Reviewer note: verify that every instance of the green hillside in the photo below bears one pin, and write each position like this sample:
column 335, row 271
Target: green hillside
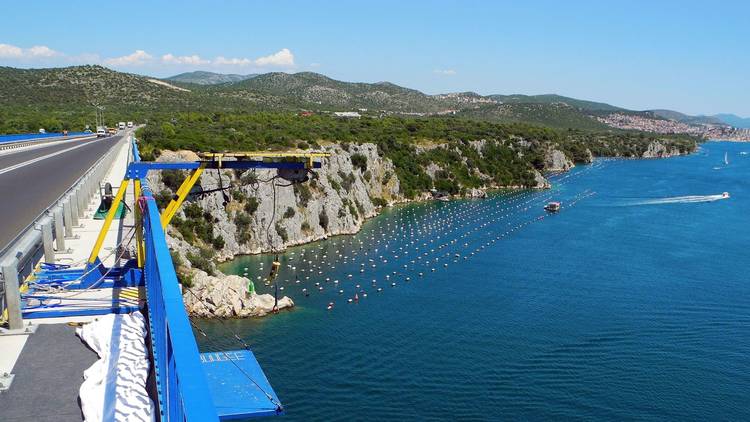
column 555, row 115
column 554, row 98
column 208, row 78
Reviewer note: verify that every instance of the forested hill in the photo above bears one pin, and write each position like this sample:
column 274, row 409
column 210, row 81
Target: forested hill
column 66, row 95
column 59, row 98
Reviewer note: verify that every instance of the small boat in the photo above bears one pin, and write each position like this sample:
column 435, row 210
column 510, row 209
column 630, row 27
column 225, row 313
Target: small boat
column 552, row 206
column 725, row 195
column 726, row 159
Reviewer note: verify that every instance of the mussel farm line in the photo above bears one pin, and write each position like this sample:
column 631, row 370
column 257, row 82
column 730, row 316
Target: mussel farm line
column 411, row 243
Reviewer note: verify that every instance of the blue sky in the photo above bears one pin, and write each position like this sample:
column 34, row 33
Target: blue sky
column 685, row 55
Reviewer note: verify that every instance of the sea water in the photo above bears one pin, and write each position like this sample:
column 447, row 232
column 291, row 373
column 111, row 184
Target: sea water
column 632, row 302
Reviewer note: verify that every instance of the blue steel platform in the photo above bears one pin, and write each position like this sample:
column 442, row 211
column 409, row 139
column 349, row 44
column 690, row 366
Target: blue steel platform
column 238, row 386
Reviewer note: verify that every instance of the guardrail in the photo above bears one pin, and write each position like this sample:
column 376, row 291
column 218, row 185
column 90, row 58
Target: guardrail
column 46, row 235
column 37, row 136
column 29, row 142
column 180, row 380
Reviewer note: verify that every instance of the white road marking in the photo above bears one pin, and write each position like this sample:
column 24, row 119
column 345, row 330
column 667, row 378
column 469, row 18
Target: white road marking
column 43, row 157
column 42, row 145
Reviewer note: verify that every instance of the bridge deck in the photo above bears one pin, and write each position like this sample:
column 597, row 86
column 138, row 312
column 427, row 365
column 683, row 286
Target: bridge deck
column 48, row 373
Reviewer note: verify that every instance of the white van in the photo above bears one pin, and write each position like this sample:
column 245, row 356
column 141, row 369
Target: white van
column 130, row 124
column 121, row 125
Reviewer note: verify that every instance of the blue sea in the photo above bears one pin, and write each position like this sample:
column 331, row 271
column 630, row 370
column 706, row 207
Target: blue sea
column 632, row 302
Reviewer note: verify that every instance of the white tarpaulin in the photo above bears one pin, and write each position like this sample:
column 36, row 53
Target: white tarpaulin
column 114, row 387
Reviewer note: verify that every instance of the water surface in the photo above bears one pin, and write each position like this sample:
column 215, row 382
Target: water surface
column 631, row 303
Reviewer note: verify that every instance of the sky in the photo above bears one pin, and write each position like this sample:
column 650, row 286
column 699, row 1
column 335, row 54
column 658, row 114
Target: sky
column 685, row 55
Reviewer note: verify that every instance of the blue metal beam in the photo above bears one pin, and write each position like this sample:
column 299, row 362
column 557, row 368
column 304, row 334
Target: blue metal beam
column 139, row 170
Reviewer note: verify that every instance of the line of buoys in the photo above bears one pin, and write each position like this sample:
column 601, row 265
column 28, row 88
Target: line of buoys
column 408, row 233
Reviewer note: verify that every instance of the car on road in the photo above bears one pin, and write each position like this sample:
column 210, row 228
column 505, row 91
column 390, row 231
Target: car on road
column 101, row 131
column 130, row 124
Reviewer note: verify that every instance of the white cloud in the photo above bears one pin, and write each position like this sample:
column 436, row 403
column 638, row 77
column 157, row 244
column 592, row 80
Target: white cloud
column 444, row 72
column 8, row 51
column 190, row 60
column 234, row 61
column 283, row 57
column 42, row 51
column 137, row 58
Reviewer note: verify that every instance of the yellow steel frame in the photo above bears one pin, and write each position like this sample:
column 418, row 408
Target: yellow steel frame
column 108, row 220
column 182, row 193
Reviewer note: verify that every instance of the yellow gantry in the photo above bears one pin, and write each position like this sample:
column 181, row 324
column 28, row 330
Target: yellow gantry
column 182, row 192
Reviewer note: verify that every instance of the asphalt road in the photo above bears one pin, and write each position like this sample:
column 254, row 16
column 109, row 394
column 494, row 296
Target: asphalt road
column 31, row 180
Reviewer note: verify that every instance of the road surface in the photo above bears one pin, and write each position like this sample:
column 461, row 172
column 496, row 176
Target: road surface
column 31, row 180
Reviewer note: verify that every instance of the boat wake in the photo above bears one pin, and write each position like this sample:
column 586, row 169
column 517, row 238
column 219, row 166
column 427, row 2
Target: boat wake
column 690, row 199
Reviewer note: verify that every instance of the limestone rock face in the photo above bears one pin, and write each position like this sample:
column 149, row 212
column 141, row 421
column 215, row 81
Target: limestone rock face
column 541, row 181
column 257, row 212
column 657, row 149
column 227, row 297
column 476, row 193
column 337, row 199
column 556, row 160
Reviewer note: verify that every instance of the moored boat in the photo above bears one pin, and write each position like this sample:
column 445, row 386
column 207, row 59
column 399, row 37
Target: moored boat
column 552, row 206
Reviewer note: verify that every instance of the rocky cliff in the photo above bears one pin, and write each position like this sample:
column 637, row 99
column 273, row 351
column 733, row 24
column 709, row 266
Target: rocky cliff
column 254, row 211
column 259, row 213
column 657, row 149
column 556, row 161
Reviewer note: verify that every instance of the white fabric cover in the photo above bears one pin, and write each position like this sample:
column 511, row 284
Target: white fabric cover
column 114, row 387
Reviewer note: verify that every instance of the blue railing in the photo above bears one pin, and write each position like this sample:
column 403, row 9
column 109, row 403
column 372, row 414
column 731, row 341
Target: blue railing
column 180, row 380
column 30, row 136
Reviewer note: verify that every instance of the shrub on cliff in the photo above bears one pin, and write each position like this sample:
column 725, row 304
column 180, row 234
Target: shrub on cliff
column 251, row 205
column 172, row 178
column 281, row 231
column 304, row 194
column 359, row 161
column 379, row 202
column 323, row 219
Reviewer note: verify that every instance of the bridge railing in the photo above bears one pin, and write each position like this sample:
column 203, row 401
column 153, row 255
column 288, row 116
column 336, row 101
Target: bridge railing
column 45, row 236
column 37, row 136
column 181, row 382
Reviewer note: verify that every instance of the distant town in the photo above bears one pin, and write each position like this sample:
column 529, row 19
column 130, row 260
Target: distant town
column 655, row 125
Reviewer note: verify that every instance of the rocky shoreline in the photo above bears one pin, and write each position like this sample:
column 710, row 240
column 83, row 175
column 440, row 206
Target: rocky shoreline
column 258, row 214
column 227, row 296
